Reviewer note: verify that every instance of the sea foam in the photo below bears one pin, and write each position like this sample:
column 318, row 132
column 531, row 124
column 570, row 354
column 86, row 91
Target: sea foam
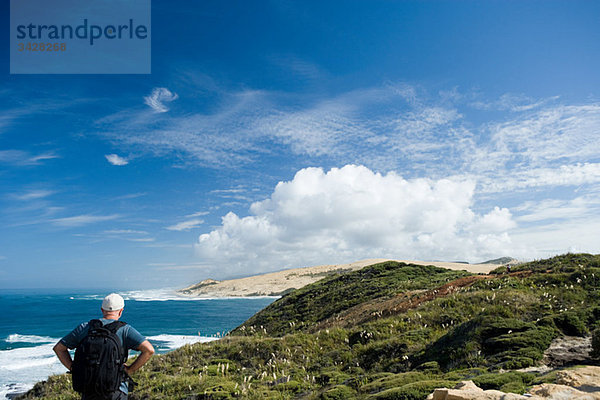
column 16, row 338
column 27, row 365
column 164, row 295
column 172, row 342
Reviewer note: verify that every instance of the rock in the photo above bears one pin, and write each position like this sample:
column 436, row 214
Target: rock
column 467, row 385
column 568, row 350
column 586, row 379
column 576, row 384
column 467, row 390
column 551, row 391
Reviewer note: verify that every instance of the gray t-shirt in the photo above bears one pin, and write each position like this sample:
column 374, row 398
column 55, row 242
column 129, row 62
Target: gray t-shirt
column 130, row 339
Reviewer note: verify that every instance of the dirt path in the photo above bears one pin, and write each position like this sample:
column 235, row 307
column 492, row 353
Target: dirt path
column 404, row 301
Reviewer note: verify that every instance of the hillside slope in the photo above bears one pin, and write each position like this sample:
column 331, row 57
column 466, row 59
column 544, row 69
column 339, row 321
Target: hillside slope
column 302, row 308
column 281, row 282
column 388, row 331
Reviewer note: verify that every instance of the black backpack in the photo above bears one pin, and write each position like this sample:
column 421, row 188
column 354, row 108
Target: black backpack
column 98, row 365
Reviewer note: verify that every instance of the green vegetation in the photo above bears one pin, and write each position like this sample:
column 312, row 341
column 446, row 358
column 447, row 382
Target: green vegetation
column 596, row 343
column 302, row 308
column 389, row 331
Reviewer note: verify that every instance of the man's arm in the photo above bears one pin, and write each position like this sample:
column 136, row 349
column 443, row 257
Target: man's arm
column 62, row 352
column 146, row 352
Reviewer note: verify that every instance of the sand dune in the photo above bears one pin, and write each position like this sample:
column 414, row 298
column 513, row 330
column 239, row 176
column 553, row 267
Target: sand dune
column 276, row 283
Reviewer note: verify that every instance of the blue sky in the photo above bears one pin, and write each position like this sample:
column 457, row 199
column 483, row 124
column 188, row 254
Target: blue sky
column 279, row 134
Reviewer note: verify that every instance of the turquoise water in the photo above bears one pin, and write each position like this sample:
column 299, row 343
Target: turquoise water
column 34, row 320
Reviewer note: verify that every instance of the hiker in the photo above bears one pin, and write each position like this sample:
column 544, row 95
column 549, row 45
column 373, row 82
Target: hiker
column 102, row 344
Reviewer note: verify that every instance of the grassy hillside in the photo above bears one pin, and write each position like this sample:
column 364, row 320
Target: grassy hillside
column 301, row 309
column 390, row 331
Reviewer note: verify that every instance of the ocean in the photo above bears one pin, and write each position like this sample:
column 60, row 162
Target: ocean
column 33, row 321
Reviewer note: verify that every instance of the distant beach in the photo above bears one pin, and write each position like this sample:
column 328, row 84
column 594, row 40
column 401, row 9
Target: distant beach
column 277, row 283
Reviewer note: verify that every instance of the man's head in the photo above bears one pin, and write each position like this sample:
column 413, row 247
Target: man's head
column 112, row 306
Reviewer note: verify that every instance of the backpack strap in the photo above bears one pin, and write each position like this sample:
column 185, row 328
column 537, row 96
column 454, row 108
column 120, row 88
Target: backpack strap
column 114, row 327
column 95, row 323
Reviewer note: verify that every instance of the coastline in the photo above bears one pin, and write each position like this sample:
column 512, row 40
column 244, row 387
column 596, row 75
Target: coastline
column 275, row 284
column 31, row 328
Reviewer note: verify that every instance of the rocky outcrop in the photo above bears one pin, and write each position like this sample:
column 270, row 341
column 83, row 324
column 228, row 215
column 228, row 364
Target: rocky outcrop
column 561, row 392
column 467, row 390
column 576, row 384
column 586, row 379
column 568, row 350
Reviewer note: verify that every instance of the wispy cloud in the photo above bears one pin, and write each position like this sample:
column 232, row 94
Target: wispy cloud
column 236, row 193
column 186, row 225
column 197, row 214
column 558, row 134
column 158, row 97
column 528, row 142
column 513, row 102
column 142, row 240
column 228, row 191
column 82, row 220
column 22, row 158
column 520, row 179
column 33, row 195
column 555, row 209
column 299, row 68
column 125, row 232
column 114, row 159
column 130, row 196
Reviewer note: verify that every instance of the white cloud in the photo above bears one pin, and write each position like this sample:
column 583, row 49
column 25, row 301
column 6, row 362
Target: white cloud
column 81, row 220
column 527, row 143
column 186, row 225
column 555, row 209
column 357, row 126
column 158, row 97
column 497, row 220
column 564, row 175
column 197, row 214
column 143, row 240
column 34, row 195
column 513, row 102
column 558, row 237
column 24, row 158
column 352, row 213
column 116, row 160
column 130, row 196
column 548, row 138
column 125, row 232
column 218, row 139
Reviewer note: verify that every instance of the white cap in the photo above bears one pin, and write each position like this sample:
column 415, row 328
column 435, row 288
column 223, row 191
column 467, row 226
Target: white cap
column 113, row 302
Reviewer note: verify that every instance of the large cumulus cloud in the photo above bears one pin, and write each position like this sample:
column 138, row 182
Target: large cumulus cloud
column 352, row 213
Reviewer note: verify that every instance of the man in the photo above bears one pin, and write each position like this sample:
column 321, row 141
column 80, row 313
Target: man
column 112, row 309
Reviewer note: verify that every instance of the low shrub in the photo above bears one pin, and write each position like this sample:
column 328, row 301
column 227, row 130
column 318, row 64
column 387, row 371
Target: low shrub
column 432, row 367
column 339, row 392
column 388, row 351
column 498, row 381
column 570, row 324
column 394, row 381
column 595, row 343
